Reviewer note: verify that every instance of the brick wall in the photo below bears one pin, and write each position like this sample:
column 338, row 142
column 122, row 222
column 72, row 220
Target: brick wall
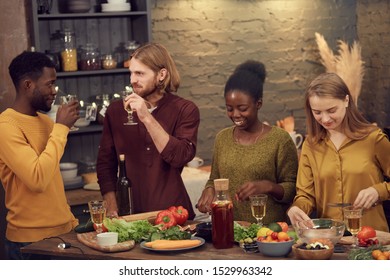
column 209, row 38
column 374, row 35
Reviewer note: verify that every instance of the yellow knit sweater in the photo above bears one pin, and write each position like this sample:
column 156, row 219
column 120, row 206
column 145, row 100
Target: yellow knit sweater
column 30, row 150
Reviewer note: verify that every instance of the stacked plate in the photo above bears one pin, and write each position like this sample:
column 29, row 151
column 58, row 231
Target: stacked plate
column 116, row 7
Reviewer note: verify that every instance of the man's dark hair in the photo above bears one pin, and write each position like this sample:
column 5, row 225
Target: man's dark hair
column 28, row 64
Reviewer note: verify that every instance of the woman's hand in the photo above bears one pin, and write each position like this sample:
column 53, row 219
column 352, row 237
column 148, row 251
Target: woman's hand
column 296, row 215
column 205, row 200
column 259, row 187
column 367, row 198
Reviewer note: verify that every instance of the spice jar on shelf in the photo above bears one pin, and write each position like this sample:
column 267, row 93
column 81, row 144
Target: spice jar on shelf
column 68, row 52
column 89, row 58
column 109, row 62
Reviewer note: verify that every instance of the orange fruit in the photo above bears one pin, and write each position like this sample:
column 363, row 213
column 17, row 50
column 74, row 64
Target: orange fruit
column 387, row 254
column 283, row 225
column 268, row 233
column 382, row 257
column 376, row 253
column 283, row 236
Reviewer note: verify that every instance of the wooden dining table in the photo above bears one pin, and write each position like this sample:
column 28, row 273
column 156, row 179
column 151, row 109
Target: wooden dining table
column 77, row 250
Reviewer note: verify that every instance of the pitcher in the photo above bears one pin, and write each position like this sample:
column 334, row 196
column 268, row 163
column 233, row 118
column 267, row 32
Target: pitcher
column 297, row 138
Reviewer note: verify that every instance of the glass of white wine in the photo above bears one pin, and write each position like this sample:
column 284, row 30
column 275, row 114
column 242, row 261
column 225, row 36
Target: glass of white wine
column 97, row 209
column 258, row 207
column 352, row 219
column 65, row 99
column 130, row 120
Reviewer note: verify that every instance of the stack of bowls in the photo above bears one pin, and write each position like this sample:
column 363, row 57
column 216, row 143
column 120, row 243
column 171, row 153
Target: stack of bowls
column 116, row 6
column 79, row 6
column 69, row 175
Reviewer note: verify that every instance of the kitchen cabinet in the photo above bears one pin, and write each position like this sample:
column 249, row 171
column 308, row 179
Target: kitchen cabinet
column 109, row 31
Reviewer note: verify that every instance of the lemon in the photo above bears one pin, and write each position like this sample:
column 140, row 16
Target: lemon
column 262, row 231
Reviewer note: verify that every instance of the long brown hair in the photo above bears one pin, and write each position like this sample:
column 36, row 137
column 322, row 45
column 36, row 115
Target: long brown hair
column 156, row 57
column 330, row 85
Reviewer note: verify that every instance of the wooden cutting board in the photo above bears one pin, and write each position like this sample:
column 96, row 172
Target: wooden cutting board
column 89, row 239
column 150, row 216
column 383, row 238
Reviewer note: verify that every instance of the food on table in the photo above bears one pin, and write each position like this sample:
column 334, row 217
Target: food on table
column 313, row 246
column 135, row 230
column 275, row 227
column 180, row 214
column 172, row 244
column 242, row 232
column 283, row 225
column 375, row 252
column 166, row 219
column 262, row 231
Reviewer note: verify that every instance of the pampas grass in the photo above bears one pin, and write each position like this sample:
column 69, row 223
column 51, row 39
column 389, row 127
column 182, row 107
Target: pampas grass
column 347, row 64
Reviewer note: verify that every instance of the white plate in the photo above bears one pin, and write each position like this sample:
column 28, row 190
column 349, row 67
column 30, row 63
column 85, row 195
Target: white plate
column 174, row 250
column 72, row 181
column 92, row 187
column 116, row 7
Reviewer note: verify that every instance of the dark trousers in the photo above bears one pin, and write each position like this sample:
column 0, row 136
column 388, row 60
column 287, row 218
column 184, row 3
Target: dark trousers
column 12, row 251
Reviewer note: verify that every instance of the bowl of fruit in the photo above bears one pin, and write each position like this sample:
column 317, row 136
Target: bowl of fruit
column 275, row 244
column 316, row 249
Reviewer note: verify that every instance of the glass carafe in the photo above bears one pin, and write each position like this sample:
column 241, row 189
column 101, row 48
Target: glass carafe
column 222, row 216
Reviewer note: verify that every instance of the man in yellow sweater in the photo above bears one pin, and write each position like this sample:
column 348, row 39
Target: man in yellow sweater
column 31, row 147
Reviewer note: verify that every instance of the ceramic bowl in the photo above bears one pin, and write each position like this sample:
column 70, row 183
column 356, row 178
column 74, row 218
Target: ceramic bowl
column 204, row 230
column 321, row 254
column 107, row 238
column 275, row 249
column 68, row 170
column 320, row 228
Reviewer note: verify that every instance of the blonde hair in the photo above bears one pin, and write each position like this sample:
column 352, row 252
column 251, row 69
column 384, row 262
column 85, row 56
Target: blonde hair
column 156, row 57
column 330, row 85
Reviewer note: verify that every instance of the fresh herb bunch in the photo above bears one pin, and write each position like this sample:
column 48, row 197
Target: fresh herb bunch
column 240, row 232
column 364, row 253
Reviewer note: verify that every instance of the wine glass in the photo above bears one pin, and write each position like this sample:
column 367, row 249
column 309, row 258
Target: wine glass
column 259, row 207
column 65, row 99
column 352, row 219
column 97, row 209
column 130, row 120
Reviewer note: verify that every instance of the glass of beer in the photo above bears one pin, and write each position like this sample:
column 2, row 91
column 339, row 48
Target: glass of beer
column 258, row 207
column 97, row 209
column 352, row 219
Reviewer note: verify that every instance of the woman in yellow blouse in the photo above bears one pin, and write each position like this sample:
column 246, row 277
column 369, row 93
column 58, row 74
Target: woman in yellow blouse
column 344, row 158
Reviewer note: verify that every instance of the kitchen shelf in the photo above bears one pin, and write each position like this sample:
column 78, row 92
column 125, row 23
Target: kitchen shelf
column 109, row 31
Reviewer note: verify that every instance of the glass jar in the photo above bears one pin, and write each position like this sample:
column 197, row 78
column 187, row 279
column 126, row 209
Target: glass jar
column 130, row 47
column 68, row 52
column 109, row 62
column 89, row 58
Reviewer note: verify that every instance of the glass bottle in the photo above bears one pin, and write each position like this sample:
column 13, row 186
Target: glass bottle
column 68, row 52
column 222, row 216
column 130, row 46
column 124, row 196
column 89, row 58
column 109, row 62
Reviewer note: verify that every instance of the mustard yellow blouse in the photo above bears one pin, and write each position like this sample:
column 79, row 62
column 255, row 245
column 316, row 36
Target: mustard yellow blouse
column 327, row 175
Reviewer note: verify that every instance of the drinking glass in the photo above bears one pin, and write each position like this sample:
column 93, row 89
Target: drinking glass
column 259, row 207
column 352, row 219
column 97, row 209
column 65, row 99
column 130, row 120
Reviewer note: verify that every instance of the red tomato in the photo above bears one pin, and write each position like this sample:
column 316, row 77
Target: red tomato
column 366, row 232
column 283, row 225
column 180, row 214
column 166, row 219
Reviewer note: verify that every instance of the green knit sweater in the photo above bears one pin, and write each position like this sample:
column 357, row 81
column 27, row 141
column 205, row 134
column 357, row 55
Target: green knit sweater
column 273, row 157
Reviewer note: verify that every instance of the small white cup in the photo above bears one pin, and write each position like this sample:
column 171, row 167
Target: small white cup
column 297, row 138
column 195, row 162
column 107, row 238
